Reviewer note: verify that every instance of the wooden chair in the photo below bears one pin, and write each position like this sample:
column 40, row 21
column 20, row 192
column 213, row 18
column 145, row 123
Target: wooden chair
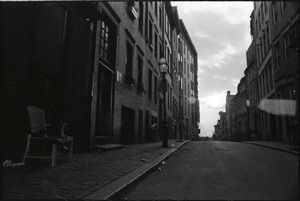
column 38, row 136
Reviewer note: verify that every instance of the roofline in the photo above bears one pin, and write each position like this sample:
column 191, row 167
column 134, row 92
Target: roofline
column 185, row 32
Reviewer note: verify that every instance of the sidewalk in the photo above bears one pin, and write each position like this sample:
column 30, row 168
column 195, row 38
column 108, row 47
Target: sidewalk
column 275, row 145
column 89, row 176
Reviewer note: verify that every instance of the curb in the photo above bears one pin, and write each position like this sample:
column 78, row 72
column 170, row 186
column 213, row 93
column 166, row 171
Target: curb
column 114, row 189
column 275, row 148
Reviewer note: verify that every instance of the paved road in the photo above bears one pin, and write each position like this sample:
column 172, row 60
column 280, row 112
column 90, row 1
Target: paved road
column 222, row 170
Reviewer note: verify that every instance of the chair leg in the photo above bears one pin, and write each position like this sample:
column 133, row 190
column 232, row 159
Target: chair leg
column 27, row 148
column 54, row 154
column 71, row 152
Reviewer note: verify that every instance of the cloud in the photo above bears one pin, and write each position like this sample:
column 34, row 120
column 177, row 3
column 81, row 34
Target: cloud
column 215, row 100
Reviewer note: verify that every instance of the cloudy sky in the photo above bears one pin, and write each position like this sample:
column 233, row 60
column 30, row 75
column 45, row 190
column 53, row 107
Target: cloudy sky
column 220, row 32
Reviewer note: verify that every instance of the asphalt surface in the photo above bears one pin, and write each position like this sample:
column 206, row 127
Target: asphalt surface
column 222, row 170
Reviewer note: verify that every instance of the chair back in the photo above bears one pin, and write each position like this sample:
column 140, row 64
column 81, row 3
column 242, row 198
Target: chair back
column 37, row 121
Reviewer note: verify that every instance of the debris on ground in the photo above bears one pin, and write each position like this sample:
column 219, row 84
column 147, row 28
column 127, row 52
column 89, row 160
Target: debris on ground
column 159, row 168
column 8, row 163
column 144, row 159
column 164, row 162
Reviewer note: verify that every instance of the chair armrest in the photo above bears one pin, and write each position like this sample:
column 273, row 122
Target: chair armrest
column 63, row 125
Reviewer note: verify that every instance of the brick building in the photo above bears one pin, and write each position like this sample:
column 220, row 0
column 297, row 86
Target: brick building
column 95, row 66
column 187, row 76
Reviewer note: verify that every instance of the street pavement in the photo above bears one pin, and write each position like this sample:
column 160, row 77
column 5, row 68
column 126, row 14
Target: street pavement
column 92, row 176
column 218, row 170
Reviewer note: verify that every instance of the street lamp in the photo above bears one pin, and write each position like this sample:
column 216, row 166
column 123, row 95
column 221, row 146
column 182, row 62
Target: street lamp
column 248, row 120
column 163, row 67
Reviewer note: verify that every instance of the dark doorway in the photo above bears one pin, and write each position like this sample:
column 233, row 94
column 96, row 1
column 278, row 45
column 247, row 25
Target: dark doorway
column 127, row 125
column 105, row 88
column 147, row 126
column 105, row 104
column 140, row 140
column 273, row 127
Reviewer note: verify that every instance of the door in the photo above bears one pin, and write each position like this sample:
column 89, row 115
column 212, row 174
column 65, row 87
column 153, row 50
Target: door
column 140, row 139
column 105, row 103
column 105, row 83
column 127, row 125
column 147, row 126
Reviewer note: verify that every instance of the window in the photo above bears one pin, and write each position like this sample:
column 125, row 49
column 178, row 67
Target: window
column 155, row 45
column 150, row 83
column 277, row 55
column 155, row 9
column 155, row 89
column 264, row 42
column 271, row 75
column 104, row 41
column 185, row 106
column 167, row 25
column 267, row 72
column 140, row 74
column 268, row 36
column 259, row 20
column 261, row 51
column 286, row 44
column 141, row 17
column 160, row 17
column 129, row 65
column 184, row 66
column 256, row 28
column 258, row 54
column 150, row 34
column 262, row 12
column 160, row 48
column 185, row 86
column 275, row 17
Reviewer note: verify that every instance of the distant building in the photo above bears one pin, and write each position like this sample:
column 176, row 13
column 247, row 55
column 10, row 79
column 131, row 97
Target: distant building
column 188, row 85
column 251, row 76
column 221, row 130
column 229, row 106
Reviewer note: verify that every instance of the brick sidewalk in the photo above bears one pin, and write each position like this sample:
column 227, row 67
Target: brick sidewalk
column 86, row 173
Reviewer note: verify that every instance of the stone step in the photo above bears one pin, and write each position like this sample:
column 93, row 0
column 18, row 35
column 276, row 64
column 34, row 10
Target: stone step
column 107, row 147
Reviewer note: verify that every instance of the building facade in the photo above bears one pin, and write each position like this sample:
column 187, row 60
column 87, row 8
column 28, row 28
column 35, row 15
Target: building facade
column 187, row 76
column 95, row 66
column 229, row 106
column 221, row 128
column 276, row 37
column 270, row 86
column 251, row 76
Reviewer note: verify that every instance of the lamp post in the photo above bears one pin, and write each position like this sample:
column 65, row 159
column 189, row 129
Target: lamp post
column 163, row 67
column 248, row 120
